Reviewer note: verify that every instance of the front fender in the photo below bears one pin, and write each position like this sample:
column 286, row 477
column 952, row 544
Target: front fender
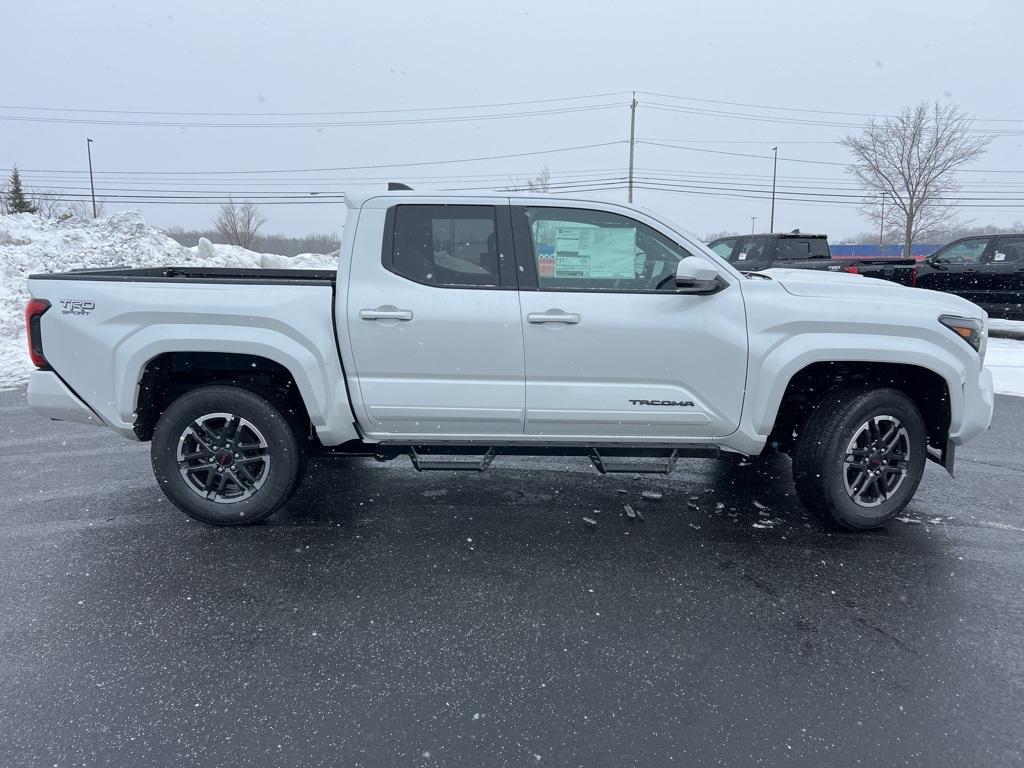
column 778, row 366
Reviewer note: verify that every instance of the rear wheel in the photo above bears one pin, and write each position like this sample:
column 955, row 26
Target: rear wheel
column 226, row 456
column 860, row 457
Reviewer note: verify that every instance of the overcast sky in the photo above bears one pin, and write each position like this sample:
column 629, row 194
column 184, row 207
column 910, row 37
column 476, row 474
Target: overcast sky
column 204, row 56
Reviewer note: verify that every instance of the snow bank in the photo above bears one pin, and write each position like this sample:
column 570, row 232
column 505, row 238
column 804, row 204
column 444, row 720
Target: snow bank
column 30, row 244
column 1005, row 358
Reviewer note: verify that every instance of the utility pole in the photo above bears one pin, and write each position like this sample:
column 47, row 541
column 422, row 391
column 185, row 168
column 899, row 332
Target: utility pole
column 92, row 186
column 753, row 220
column 632, row 142
column 775, row 167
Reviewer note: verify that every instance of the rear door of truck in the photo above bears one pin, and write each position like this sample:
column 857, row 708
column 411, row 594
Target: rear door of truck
column 433, row 322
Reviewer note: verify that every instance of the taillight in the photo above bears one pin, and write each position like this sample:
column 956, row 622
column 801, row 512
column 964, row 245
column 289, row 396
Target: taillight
column 33, row 329
column 913, row 275
column 852, row 269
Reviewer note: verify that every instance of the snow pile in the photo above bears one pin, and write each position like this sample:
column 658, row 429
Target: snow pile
column 1005, row 358
column 31, row 244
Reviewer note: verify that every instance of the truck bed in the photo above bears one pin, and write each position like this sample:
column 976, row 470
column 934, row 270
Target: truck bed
column 197, row 274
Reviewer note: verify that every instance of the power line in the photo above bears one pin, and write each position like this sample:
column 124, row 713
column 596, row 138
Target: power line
column 342, row 167
column 306, row 124
column 808, row 111
column 317, row 114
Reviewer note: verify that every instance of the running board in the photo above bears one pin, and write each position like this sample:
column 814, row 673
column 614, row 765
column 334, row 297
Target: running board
column 421, row 464
column 651, row 466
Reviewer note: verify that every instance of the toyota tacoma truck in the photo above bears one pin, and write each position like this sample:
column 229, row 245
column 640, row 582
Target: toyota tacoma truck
column 799, row 250
column 459, row 329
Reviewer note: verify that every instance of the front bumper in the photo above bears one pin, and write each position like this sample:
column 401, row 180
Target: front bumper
column 49, row 397
column 978, row 404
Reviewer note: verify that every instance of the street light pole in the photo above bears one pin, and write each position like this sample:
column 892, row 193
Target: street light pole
column 775, row 167
column 92, row 186
column 753, row 219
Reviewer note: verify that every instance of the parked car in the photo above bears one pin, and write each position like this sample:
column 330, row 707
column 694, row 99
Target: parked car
column 796, row 250
column 483, row 325
column 987, row 270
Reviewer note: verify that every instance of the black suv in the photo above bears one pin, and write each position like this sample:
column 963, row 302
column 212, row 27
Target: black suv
column 988, row 270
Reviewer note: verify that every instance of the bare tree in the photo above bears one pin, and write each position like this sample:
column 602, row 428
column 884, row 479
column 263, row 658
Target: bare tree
column 906, row 165
column 539, row 183
column 50, row 205
column 238, row 224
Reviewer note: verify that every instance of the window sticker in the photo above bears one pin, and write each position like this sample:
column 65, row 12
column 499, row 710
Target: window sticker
column 999, row 256
column 594, row 252
column 742, row 257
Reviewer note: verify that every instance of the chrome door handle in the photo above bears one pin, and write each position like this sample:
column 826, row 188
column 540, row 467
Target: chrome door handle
column 385, row 313
column 553, row 316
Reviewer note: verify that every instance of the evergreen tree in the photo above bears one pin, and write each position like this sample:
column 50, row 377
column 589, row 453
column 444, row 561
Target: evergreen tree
column 16, row 200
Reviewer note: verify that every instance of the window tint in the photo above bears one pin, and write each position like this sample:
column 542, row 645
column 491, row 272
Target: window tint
column 1008, row 249
column 596, row 251
column 724, row 248
column 450, row 245
column 750, row 250
column 790, row 248
column 967, row 252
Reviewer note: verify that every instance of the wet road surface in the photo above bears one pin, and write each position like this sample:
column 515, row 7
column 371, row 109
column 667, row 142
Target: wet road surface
column 389, row 618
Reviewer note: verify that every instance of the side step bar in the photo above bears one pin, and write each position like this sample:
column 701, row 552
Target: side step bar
column 465, row 458
column 421, row 464
column 652, row 466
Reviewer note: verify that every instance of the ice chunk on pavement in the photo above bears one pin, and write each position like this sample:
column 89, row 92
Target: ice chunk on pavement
column 651, row 495
column 590, row 521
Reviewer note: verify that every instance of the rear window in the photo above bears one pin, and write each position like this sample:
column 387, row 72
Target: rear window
column 793, row 248
column 444, row 245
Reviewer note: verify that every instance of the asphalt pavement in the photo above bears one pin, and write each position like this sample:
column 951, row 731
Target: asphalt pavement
column 389, row 618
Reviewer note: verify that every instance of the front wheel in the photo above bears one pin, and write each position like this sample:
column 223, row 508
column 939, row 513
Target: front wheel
column 226, row 456
column 860, row 457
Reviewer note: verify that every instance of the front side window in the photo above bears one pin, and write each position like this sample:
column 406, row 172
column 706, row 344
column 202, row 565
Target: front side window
column 584, row 250
column 967, row 252
column 724, row 248
column 750, row 250
column 444, row 245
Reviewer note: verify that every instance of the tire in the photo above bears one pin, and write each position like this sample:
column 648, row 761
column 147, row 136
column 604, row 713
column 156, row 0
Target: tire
column 868, row 486
column 227, row 456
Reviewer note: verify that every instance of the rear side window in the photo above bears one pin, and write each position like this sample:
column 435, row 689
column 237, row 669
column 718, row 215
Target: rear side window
column 443, row 245
column 1009, row 249
column 793, row 248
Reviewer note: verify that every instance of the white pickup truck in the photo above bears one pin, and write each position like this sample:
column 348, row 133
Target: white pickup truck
column 461, row 328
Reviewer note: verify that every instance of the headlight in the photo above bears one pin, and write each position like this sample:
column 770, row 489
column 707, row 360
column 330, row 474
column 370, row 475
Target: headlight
column 970, row 329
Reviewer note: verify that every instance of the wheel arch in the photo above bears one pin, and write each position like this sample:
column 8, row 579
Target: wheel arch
column 806, row 388
column 169, row 375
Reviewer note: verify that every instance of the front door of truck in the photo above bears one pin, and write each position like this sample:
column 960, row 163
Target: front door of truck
column 612, row 351
column 434, row 323
column 956, row 268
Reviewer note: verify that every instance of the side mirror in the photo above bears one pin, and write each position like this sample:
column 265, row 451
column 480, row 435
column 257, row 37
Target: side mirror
column 697, row 276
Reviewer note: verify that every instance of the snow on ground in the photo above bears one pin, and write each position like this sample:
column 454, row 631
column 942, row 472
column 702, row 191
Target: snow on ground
column 31, row 244
column 1006, row 327
column 1005, row 358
